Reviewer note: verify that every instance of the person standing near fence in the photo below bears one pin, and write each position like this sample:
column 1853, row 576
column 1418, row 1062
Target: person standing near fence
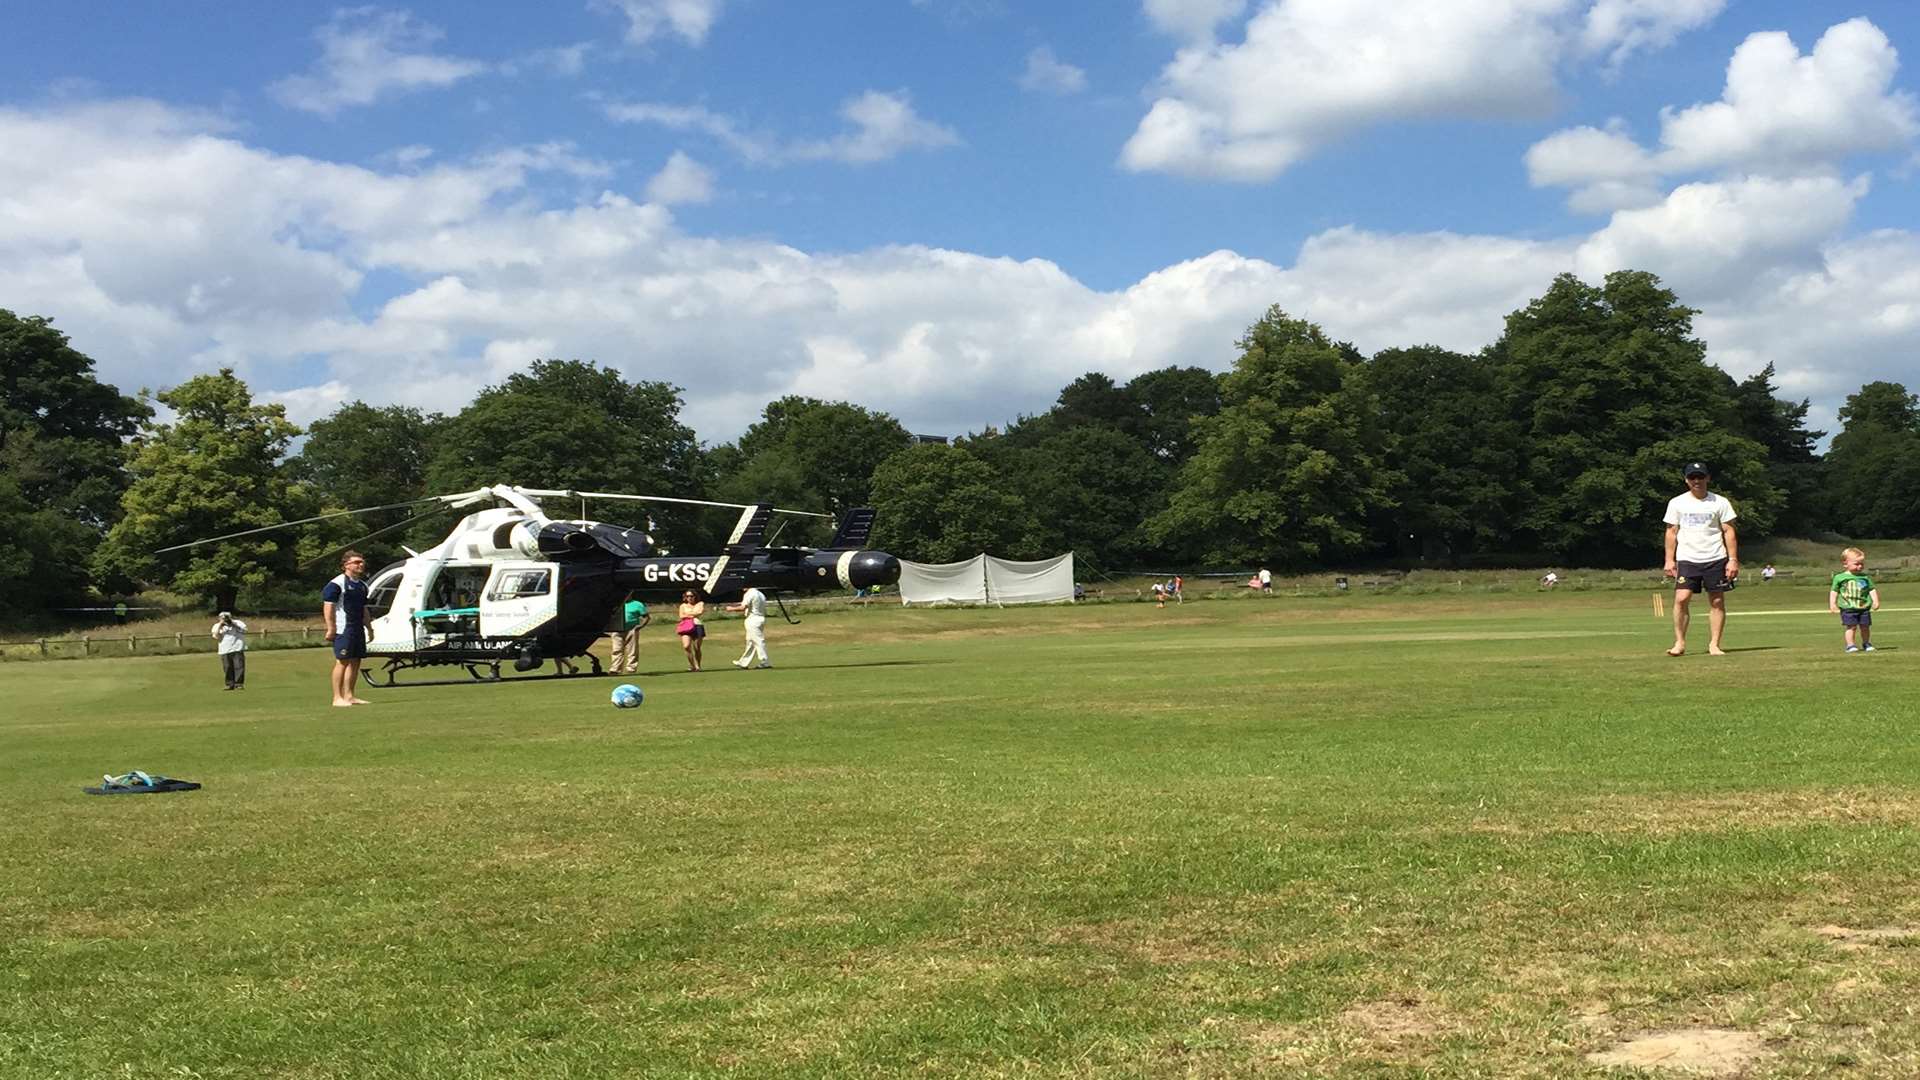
column 231, row 635
column 343, row 604
column 754, row 603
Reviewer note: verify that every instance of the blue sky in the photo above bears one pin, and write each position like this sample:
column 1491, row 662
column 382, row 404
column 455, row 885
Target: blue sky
column 943, row 208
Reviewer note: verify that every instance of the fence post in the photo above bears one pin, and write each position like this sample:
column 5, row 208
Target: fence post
column 86, row 645
column 303, row 634
column 130, row 641
column 43, row 648
column 180, row 641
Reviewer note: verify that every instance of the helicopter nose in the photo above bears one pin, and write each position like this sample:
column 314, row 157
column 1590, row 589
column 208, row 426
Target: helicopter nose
column 872, row 568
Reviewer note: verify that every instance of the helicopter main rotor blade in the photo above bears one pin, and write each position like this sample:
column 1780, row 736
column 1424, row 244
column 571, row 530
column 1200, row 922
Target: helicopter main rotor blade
column 401, row 524
column 302, row 521
column 658, row 498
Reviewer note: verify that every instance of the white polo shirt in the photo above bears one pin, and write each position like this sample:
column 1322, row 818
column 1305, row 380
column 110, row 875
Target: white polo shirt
column 1698, row 539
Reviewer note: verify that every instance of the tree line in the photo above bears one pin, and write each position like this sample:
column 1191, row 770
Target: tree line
column 1559, row 441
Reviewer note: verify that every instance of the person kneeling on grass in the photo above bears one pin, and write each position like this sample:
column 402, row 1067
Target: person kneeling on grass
column 1854, row 599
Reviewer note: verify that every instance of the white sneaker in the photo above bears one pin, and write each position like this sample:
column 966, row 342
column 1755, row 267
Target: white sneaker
column 741, row 664
column 1863, row 648
column 1853, row 648
column 769, row 663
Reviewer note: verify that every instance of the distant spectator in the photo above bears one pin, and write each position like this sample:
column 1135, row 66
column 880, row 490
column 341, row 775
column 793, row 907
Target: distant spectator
column 1550, row 580
column 231, row 634
column 1266, row 580
column 1766, row 573
column 1179, row 589
column 1159, row 594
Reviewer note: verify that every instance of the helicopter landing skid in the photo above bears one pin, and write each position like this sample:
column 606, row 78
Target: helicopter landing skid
column 483, row 670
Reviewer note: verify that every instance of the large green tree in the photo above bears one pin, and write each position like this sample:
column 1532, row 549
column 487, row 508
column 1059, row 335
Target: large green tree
column 1793, row 463
column 942, row 504
column 1873, row 466
column 1613, row 393
column 216, row 468
column 820, row 454
column 1290, row 470
column 576, row 425
column 61, row 463
column 1454, row 452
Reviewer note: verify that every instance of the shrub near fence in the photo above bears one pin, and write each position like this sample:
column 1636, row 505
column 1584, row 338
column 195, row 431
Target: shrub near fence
column 112, row 644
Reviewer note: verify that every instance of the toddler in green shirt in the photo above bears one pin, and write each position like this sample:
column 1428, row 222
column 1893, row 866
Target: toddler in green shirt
column 1854, row 599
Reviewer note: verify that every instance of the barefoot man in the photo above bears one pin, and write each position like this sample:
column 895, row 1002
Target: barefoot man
column 1702, row 555
column 343, row 606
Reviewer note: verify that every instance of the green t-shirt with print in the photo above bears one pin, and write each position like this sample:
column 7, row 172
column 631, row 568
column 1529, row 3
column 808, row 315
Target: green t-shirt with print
column 631, row 615
column 1855, row 590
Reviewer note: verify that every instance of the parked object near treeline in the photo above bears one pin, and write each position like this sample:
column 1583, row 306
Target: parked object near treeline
column 510, row 584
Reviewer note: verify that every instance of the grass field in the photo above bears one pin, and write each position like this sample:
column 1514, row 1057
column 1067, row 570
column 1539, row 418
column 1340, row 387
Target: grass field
column 1366, row 836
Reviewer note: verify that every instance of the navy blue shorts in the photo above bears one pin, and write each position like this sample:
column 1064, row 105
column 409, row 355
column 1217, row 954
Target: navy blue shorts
column 1863, row 617
column 1708, row 577
column 350, row 644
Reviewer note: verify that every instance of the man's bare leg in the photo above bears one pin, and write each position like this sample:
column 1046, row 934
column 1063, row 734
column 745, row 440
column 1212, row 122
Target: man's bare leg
column 1680, row 621
column 353, row 679
column 1716, row 622
column 339, row 694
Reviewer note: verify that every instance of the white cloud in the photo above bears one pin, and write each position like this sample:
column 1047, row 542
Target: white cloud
column 1311, row 71
column 166, row 248
column 883, row 126
column 683, row 180
column 366, row 54
column 1192, row 20
column 1782, row 110
column 689, row 20
column 1709, row 240
column 1782, row 113
column 1046, row 73
column 1620, row 28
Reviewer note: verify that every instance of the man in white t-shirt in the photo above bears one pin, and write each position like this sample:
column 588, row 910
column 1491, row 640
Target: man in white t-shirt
column 754, row 603
column 1703, row 555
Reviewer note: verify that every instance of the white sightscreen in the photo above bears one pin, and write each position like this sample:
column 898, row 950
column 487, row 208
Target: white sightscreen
column 1030, row 582
column 954, row 583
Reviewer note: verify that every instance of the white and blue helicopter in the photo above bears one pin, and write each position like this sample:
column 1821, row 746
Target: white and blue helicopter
column 511, row 584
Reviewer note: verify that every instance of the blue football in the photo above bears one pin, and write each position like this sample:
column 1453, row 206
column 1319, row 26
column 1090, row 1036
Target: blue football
column 628, row 696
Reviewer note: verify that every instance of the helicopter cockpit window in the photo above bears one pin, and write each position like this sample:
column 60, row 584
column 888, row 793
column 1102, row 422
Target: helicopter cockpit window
column 520, row 583
column 381, row 593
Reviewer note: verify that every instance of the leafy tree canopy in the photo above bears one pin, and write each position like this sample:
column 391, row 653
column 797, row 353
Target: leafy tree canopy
column 215, row 469
column 942, row 504
column 1291, row 467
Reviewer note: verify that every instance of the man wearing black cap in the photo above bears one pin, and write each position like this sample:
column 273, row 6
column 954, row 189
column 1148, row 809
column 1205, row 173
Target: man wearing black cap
column 1703, row 554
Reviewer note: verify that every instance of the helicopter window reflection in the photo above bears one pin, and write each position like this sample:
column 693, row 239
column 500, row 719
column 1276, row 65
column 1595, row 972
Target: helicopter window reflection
column 519, row 583
column 380, row 595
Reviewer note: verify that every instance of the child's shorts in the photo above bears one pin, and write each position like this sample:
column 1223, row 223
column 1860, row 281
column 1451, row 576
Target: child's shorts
column 1863, row 617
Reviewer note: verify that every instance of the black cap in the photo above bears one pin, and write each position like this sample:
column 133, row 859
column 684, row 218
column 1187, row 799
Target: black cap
column 1694, row 467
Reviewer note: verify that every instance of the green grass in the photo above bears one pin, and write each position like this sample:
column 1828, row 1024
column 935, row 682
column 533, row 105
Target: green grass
column 1358, row 837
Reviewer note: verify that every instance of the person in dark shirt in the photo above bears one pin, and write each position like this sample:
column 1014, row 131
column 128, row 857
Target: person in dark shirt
column 343, row 606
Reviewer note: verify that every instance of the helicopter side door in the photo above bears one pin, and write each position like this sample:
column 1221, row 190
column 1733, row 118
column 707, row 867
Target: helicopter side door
column 521, row 597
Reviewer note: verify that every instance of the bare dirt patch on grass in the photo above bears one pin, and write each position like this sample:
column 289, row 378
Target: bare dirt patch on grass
column 1395, row 1021
column 1701, row 1051
column 1859, row 940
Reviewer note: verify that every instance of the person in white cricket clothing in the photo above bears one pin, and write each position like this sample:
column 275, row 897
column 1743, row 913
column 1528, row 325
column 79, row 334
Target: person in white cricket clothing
column 754, row 603
column 1703, row 554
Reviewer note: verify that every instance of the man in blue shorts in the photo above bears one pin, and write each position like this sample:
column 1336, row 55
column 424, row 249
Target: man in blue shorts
column 1703, row 555
column 343, row 606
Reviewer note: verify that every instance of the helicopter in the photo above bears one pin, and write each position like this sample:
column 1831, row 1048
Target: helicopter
column 510, row 584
